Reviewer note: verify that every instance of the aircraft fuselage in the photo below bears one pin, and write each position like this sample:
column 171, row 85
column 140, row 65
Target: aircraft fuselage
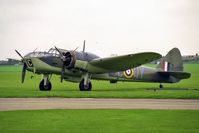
column 49, row 63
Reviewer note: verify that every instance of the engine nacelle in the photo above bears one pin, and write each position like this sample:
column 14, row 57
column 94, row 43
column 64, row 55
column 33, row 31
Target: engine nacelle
column 69, row 60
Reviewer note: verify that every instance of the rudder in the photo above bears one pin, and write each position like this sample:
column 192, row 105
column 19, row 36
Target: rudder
column 172, row 61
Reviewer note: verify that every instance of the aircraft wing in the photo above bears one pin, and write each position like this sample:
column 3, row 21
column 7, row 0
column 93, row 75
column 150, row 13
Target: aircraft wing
column 121, row 63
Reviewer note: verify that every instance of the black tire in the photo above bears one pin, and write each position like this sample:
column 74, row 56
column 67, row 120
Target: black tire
column 82, row 87
column 161, row 86
column 46, row 87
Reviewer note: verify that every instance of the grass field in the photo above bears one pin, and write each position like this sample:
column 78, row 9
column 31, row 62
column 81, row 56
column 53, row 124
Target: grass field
column 92, row 121
column 10, row 86
column 100, row 121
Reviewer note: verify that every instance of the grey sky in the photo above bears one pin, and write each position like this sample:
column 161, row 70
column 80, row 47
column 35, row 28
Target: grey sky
column 109, row 26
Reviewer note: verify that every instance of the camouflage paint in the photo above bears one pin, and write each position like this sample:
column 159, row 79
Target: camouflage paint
column 52, row 64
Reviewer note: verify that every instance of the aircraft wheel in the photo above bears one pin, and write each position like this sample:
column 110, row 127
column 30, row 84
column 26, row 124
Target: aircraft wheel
column 161, row 86
column 46, row 87
column 83, row 87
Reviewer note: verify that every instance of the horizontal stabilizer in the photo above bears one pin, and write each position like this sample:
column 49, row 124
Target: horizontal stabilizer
column 178, row 75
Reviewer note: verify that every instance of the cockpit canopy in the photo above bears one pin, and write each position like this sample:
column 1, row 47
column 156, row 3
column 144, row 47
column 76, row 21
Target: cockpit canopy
column 55, row 52
column 85, row 56
column 51, row 52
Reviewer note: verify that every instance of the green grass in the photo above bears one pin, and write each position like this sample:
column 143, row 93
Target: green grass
column 91, row 121
column 10, row 86
column 100, row 121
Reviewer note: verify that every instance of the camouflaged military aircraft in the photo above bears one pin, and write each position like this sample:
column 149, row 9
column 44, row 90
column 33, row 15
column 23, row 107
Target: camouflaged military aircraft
column 82, row 66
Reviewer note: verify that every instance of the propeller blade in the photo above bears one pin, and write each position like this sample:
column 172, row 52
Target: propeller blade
column 75, row 49
column 62, row 73
column 34, row 50
column 18, row 53
column 23, row 72
column 59, row 51
column 72, row 52
column 84, row 45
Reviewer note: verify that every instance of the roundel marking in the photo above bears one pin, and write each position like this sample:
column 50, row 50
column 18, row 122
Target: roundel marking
column 129, row 73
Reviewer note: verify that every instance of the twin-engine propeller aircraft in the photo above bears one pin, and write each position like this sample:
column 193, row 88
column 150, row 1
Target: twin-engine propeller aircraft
column 82, row 66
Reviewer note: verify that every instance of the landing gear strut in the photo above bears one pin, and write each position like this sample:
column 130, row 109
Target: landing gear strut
column 45, row 84
column 85, row 84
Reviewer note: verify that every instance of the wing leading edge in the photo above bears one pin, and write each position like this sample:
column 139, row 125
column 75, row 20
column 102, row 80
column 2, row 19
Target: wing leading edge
column 121, row 63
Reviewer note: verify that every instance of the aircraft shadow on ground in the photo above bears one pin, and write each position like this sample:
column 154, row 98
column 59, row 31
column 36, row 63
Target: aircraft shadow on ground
column 173, row 89
column 129, row 90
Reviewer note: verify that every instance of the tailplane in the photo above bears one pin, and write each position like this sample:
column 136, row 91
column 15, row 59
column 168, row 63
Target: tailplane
column 171, row 62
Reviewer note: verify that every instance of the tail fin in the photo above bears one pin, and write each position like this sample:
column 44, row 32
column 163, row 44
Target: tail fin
column 172, row 61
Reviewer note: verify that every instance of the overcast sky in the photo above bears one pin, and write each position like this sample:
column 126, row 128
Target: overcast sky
column 108, row 26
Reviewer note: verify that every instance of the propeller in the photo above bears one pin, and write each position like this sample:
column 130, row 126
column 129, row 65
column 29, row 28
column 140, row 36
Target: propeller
column 63, row 66
column 24, row 67
column 34, row 50
column 59, row 51
column 65, row 59
column 84, row 45
column 18, row 53
column 23, row 72
column 62, row 72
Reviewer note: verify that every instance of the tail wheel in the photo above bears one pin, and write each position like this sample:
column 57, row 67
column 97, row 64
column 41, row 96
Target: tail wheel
column 83, row 87
column 161, row 86
column 46, row 87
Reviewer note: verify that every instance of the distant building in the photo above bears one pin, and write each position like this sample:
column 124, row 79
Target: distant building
column 185, row 59
column 9, row 62
column 191, row 58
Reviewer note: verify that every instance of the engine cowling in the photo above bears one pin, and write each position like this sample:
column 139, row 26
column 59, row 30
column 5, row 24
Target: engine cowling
column 69, row 60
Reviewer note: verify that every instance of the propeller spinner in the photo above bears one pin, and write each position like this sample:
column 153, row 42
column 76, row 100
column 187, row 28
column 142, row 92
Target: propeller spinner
column 67, row 59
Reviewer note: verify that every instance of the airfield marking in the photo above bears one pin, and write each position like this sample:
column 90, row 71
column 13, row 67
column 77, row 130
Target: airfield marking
column 91, row 103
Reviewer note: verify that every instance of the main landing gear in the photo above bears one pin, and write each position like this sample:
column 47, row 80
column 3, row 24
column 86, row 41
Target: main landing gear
column 85, row 84
column 161, row 86
column 86, row 87
column 45, row 84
